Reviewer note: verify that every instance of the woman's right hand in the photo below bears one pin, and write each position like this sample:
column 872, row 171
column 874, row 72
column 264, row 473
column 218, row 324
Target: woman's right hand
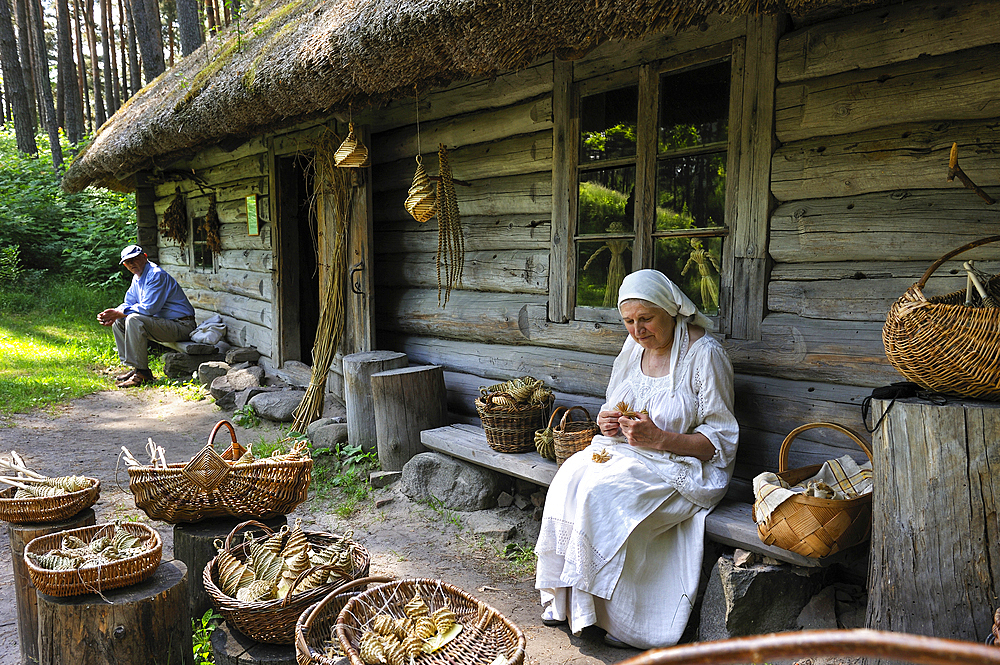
column 608, row 422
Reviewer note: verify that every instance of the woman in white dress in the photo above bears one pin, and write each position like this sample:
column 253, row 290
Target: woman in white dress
column 622, row 533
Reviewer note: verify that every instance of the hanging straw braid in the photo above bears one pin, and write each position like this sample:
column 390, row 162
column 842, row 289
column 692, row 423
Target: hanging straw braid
column 451, row 245
column 333, row 189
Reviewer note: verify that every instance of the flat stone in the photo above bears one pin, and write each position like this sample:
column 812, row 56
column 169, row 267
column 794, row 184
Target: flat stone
column 326, row 433
column 490, row 525
column 458, row 485
column 241, row 354
column 384, row 501
column 244, row 396
column 820, row 613
column 380, row 479
column 223, row 393
column 247, row 377
column 183, row 365
column 538, row 498
column 294, row 373
column 278, row 406
column 522, row 502
column 208, row 371
column 504, row 500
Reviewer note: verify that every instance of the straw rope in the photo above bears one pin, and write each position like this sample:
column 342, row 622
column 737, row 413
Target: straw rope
column 451, row 244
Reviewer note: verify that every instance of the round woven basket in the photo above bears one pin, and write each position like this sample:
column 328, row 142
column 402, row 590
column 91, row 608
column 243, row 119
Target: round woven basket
column 316, row 626
column 572, row 436
column 93, row 579
column 273, row 621
column 49, row 508
column 486, row 633
column 511, row 428
column 812, row 526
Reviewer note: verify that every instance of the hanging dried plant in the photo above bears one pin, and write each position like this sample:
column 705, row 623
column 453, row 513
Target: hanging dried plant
column 451, row 244
column 174, row 224
column 211, row 227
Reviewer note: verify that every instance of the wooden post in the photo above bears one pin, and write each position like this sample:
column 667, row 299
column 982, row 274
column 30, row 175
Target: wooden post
column 230, row 647
column 25, row 596
column 358, row 369
column 407, row 401
column 143, row 623
column 935, row 558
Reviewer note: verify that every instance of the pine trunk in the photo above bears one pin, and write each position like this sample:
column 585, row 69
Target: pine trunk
column 17, row 94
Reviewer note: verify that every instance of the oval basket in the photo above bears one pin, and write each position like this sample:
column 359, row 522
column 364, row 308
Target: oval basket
column 49, row 508
column 93, row 579
column 809, row 525
column 571, row 436
column 486, row 633
column 273, row 621
column 941, row 343
column 511, row 429
column 260, row 490
column 316, row 626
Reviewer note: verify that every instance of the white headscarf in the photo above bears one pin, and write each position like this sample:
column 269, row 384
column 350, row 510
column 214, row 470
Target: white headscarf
column 653, row 286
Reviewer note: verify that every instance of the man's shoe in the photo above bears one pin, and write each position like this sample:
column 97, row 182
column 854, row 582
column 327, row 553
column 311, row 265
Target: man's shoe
column 613, row 641
column 125, row 377
column 137, row 379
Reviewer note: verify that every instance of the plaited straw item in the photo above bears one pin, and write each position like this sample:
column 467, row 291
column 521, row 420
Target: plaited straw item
column 202, row 488
column 544, row 441
column 941, row 343
column 273, row 621
column 94, row 579
column 571, row 436
column 48, row 508
column 486, row 636
column 316, row 640
column 813, row 526
column 352, row 153
column 509, row 427
column 421, row 199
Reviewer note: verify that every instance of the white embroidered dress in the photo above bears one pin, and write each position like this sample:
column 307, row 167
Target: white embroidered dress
column 621, row 542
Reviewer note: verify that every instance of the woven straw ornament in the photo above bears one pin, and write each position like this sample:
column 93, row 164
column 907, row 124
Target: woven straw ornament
column 352, row 153
column 421, row 199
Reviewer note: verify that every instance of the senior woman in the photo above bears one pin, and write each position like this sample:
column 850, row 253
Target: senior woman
column 622, row 534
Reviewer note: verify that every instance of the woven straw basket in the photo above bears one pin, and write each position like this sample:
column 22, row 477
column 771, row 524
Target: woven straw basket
column 93, row 579
column 571, row 436
column 273, row 621
column 260, row 490
column 49, row 508
column 316, row 627
column 809, row 525
column 942, row 344
column 511, row 429
column 486, row 633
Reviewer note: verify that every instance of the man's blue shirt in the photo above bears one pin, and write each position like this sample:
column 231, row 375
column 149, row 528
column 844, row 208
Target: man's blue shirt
column 156, row 293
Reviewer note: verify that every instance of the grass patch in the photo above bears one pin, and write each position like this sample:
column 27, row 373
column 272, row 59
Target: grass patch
column 340, row 477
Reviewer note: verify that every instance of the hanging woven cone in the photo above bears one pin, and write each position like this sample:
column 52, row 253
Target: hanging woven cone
column 352, row 153
column 421, row 200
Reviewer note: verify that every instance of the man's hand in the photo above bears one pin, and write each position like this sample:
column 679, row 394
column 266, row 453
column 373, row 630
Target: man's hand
column 109, row 316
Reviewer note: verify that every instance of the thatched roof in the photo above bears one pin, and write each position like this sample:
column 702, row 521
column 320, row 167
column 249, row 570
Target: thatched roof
column 301, row 58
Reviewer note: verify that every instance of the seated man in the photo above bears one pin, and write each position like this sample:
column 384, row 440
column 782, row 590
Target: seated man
column 155, row 307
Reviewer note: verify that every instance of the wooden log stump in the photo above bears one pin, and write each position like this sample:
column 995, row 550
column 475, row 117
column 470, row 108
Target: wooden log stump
column 143, row 623
column 194, row 544
column 26, row 599
column 935, row 558
column 231, row 647
column 358, row 370
column 407, row 401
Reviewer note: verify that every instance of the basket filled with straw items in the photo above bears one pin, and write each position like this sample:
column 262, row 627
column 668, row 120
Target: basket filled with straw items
column 93, row 559
column 262, row 585
column 34, row 498
column 316, row 640
column 512, row 412
column 231, row 484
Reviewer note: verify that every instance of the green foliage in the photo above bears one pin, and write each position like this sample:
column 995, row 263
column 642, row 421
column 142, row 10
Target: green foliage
column 74, row 235
column 340, row 475
column 10, row 265
column 246, row 416
column 201, row 633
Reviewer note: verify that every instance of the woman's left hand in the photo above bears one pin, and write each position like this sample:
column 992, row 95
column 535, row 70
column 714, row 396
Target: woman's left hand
column 641, row 432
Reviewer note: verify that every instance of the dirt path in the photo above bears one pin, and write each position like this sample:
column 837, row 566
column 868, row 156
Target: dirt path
column 405, row 539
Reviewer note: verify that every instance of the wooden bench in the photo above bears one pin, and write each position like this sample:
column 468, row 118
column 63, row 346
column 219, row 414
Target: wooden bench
column 188, row 347
column 730, row 524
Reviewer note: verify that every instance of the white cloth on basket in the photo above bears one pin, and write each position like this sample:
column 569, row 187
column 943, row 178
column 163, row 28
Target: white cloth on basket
column 844, row 477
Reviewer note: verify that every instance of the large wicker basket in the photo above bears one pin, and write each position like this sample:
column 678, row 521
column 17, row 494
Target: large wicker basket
column 93, row 579
column 812, row 526
column 47, row 509
column 509, row 428
column 571, row 436
column 941, row 343
column 486, row 633
column 316, row 626
column 260, row 490
column 273, row 621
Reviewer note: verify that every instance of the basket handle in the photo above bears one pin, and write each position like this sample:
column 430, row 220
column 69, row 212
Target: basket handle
column 555, row 411
column 239, row 527
column 235, row 451
column 562, row 423
column 787, row 443
column 953, row 253
column 375, row 579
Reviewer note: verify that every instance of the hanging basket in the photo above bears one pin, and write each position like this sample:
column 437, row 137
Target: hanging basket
column 421, row 199
column 941, row 343
column 352, row 153
column 572, row 436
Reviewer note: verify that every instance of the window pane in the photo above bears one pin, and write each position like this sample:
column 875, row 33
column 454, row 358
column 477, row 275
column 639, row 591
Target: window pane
column 199, row 244
column 691, row 192
column 693, row 264
column 694, row 107
column 607, row 124
column 601, row 266
column 607, row 201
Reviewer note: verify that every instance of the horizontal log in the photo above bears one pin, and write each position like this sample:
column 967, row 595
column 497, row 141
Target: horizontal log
column 529, row 194
column 257, row 286
column 248, row 167
column 509, row 232
column 463, row 389
column 884, row 36
column 255, row 260
column 242, row 333
column 902, row 158
column 302, row 138
column 234, row 236
column 244, row 309
column 949, row 277
column 842, row 299
column 956, row 86
column 496, row 271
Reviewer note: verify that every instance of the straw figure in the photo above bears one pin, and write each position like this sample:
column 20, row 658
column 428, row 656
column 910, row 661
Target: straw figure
column 705, row 263
column 616, row 266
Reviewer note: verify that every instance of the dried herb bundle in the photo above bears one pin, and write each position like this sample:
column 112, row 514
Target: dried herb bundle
column 451, row 244
column 174, row 224
column 211, row 227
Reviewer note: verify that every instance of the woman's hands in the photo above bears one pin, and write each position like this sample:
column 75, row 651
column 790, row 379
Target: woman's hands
column 608, row 422
column 641, row 432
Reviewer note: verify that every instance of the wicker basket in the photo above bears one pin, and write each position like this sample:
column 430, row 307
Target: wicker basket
column 809, row 525
column 942, row 344
column 485, row 634
column 260, row 490
column 572, row 436
column 93, row 579
column 316, row 627
column 273, row 621
column 49, row 508
column 511, row 429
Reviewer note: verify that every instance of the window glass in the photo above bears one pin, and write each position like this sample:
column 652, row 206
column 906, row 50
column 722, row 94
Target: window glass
column 606, row 202
column 691, row 192
column 694, row 107
column 607, row 124
column 694, row 265
column 199, row 244
column 601, row 265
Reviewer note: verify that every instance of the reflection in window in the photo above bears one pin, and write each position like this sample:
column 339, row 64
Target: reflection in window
column 694, row 107
column 691, row 192
column 694, row 264
column 199, row 244
column 601, row 267
column 607, row 125
column 607, row 201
